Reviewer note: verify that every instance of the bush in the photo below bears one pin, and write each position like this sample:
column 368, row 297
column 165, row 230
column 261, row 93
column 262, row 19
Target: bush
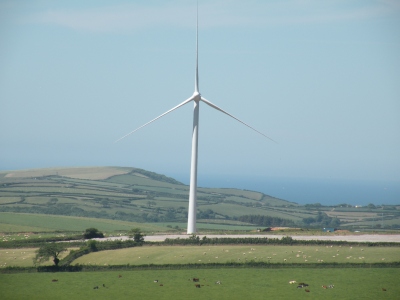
column 92, row 233
column 137, row 235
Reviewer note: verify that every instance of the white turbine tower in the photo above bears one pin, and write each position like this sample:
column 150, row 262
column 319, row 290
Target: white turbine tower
column 196, row 98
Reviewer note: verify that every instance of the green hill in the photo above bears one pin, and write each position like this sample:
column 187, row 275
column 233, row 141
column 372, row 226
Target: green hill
column 136, row 195
column 128, row 194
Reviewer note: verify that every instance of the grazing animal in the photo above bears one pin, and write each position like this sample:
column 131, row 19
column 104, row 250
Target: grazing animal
column 197, row 285
column 218, row 282
column 383, row 289
column 303, row 284
column 54, row 280
column 119, row 276
column 324, row 287
column 307, row 291
column 161, row 284
column 104, row 285
column 96, row 287
column 196, row 279
column 293, row 281
column 331, row 286
column 156, row 281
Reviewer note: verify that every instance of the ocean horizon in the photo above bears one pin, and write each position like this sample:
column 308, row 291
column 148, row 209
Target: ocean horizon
column 328, row 192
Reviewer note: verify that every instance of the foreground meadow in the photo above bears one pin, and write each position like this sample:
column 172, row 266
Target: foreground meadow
column 177, row 284
column 245, row 253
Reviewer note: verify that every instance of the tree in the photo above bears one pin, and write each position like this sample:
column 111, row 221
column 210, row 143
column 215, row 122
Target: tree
column 194, row 239
column 105, row 203
column 335, row 222
column 308, row 220
column 92, row 245
column 91, row 233
column 49, row 250
column 136, row 235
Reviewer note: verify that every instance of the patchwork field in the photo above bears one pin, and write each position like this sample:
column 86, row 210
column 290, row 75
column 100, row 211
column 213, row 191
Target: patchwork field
column 136, row 195
column 177, row 284
column 64, row 201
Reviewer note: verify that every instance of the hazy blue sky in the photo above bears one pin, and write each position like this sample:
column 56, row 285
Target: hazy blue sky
column 322, row 78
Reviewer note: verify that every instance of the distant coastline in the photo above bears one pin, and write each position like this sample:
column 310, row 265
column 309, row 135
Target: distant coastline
column 303, row 191
column 308, row 191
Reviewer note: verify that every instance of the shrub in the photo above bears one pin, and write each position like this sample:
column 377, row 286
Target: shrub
column 91, row 233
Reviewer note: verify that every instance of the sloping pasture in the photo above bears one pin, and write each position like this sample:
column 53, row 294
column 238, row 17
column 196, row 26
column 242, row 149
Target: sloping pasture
column 126, row 193
column 235, row 210
column 43, row 223
column 137, row 196
column 240, row 254
column 93, row 173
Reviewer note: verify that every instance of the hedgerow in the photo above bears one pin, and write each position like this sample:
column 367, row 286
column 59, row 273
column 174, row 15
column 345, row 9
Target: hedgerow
column 94, row 246
column 286, row 240
column 74, row 241
column 249, row 264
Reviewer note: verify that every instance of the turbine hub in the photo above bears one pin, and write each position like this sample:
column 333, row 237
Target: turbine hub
column 196, row 96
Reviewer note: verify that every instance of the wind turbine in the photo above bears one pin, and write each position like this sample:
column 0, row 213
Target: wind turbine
column 196, row 98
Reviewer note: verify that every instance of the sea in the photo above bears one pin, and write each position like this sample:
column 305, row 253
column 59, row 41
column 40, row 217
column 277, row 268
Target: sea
column 328, row 192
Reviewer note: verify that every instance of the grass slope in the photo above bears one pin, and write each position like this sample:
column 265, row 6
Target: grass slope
column 119, row 193
column 17, row 222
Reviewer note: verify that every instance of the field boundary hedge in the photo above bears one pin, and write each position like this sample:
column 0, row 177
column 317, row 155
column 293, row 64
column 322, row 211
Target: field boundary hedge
column 286, row 240
column 75, row 240
column 95, row 246
column 250, row 264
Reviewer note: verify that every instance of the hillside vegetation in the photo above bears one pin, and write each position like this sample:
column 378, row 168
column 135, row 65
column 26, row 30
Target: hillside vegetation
column 136, row 195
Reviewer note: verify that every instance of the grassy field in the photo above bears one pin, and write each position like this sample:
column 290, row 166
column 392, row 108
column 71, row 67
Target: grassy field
column 14, row 222
column 23, row 257
column 37, row 224
column 176, row 284
column 228, row 253
column 216, row 254
column 93, row 173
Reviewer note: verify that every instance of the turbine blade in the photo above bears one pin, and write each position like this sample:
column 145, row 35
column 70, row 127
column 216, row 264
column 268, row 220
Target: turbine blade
column 179, row 105
column 221, row 110
column 196, row 83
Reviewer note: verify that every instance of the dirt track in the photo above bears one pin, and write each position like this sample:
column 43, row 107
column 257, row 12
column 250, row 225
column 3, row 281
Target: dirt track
column 394, row 238
column 350, row 238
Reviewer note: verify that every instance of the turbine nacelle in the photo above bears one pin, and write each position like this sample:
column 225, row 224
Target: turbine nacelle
column 196, row 96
